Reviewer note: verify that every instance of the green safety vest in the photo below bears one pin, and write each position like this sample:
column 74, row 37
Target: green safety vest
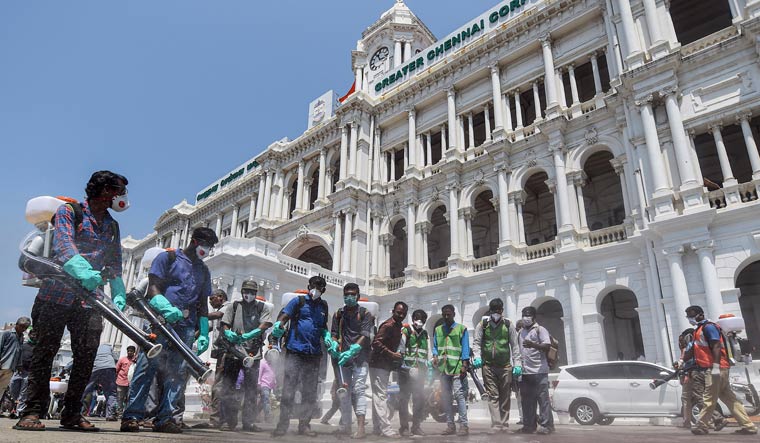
column 494, row 346
column 450, row 349
column 416, row 347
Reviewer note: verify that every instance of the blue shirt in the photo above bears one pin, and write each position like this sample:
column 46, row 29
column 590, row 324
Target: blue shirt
column 187, row 284
column 465, row 341
column 95, row 242
column 306, row 338
column 710, row 331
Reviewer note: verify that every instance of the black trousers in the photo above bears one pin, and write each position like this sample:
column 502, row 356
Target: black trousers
column 301, row 372
column 534, row 391
column 230, row 400
column 49, row 320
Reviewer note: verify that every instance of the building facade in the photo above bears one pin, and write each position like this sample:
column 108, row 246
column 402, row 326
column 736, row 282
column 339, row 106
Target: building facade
column 596, row 159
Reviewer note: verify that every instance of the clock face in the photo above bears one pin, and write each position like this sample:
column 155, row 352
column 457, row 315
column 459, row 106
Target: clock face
column 376, row 62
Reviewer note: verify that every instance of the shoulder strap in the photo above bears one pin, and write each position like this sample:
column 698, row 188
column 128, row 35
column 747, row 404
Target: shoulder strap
column 78, row 215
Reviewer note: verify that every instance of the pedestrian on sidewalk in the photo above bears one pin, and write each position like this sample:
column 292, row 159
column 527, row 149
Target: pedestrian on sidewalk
column 385, row 358
column 351, row 330
column 122, row 379
column 19, row 381
column 104, row 376
column 412, row 377
column 11, row 344
column 451, row 355
column 496, row 350
column 534, row 343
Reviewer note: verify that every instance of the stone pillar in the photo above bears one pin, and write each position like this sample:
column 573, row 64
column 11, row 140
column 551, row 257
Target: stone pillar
column 337, row 240
column 235, row 217
column 419, row 240
column 260, row 198
column 504, row 234
column 306, row 205
column 749, row 141
column 704, row 250
column 300, row 187
column 725, row 164
column 678, row 282
column 353, row 148
column 680, row 144
column 322, row 176
column 218, row 229
column 268, row 192
column 619, row 168
column 393, row 165
column 496, row 92
column 658, row 44
column 452, row 117
column 579, row 184
column 633, row 54
column 519, row 200
column 444, row 146
column 251, row 216
column 656, row 163
column 407, row 50
column 518, row 110
column 411, row 257
column 470, row 132
column 573, row 85
column 559, row 171
column 412, row 138
column 486, row 114
column 453, row 189
column 507, row 113
column 551, row 87
column 375, row 245
column 343, row 152
column 468, row 214
column 284, row 212
column 560, row 88
column 537, row 102
column 576, row 307
column 597, row 76
column 397, row 53
column 279, row 179
column 347, row 242
column 429, row 149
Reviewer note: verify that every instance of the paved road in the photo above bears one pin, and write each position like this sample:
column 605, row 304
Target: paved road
column 623, row 433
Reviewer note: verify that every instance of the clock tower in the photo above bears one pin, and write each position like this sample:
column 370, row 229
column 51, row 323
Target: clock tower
column 392, row 40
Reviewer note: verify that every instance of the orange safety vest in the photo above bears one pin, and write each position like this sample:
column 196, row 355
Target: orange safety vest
column 702, row 352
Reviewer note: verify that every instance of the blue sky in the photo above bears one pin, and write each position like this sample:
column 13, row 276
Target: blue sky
column 172, row 94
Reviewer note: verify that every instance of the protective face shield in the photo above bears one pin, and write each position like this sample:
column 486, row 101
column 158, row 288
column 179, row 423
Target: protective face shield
column 495, row 316
column 202, row 251
column 527, row 322
column 249, row 297
column 418, row 324
column 350, row 300
column 120, row 203
column 315, row 293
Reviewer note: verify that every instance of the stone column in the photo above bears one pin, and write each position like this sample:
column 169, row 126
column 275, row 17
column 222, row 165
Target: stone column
column 656, row 163
column 725, row 164
column 375, row 245
column 444, row 146
column 678, row 282
column 680, row 144
column 574, row 205
column 343, row 152
column 470, row 132
column 462, row 142
column 559, row 171
column 300, row 187
column 353, row 148
column 429, row 149
column 419, row 240
column 468, row 214
column 218, row 229
column 507, row 113
column 397, row 53
column 504, row 234
column 573, row 85
column 486, row 114
column 704, row 250
column 347, row 242
column 537, row 102
column 322, row 174
column 280, row 194
column 260, row 198
column 496, row 92
column 749, row 141
column 653, row 24
column 560, row 88
column 306, row 205
column 576, row 307
column 337, row 240
column 284, row 211
column 633, row 54
column 251, row 215
column 393, row 165
column 328, row 182
column 519, row 199
column 411, row 256
column 518, row 111
column 268, row 192
column 453, row 189
column 406, row 158
column 412, row 138
column 407, row 50
column 551, row 87
column 595, row 71
column 452, row 117
column 619, row 168
column 235, row 217
column 579, row 184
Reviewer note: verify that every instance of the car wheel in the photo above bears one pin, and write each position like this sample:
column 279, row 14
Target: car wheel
column 586, row 412
column 604, row 421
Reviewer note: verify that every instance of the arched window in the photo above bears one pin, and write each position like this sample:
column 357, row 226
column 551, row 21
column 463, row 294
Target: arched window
column 397, row 252
column 485, row 226
column 539, row 216
column 602, row 193
column 622, row 327
column 439, row 239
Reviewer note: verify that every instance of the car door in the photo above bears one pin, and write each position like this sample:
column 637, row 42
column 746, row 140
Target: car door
column 661, row 401
column 607, row 385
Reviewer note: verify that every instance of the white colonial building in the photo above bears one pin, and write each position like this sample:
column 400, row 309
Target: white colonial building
column 596, row 159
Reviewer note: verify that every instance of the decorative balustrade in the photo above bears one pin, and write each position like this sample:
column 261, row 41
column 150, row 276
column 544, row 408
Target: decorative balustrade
column 603, row 236
column 395, row 283
column 485, row 263
column 748, row 191
column 589, row 106
column 540, row 250
column 708, row 41
column 434, row 275
column 310, row 269
column 717, row 198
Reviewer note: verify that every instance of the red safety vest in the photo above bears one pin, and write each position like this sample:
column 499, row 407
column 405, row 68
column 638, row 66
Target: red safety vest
column 702, row 352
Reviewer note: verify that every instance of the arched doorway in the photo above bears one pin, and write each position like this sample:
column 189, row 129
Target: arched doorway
column 550, row 315
column 485, row 226
column 317, row 255
column 397, row 251
column 748, row 283
column 622, row 327
column 439, row 239
column 477, row 317
column 539, row 216
column 602, row 193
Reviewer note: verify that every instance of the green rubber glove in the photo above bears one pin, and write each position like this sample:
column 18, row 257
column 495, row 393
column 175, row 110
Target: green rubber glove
column 231, row 336
column 79, row 268
column 166, row 309
column 517, row 371
column 251, row 334
column 277, row 330
column 330, row 344
column 118, row 293
column 477, row 363
column 202, row 342
column 345, row 356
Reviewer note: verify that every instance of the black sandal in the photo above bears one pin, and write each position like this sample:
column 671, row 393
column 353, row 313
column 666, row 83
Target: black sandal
column 78, row 424
column 29, row 423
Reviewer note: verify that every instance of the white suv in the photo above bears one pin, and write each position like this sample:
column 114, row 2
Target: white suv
column 599, row 392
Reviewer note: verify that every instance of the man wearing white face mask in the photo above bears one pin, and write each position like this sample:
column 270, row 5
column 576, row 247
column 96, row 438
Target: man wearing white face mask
column 86, row 240
column 242, row 325
column 496, row 350
column 534, row 389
